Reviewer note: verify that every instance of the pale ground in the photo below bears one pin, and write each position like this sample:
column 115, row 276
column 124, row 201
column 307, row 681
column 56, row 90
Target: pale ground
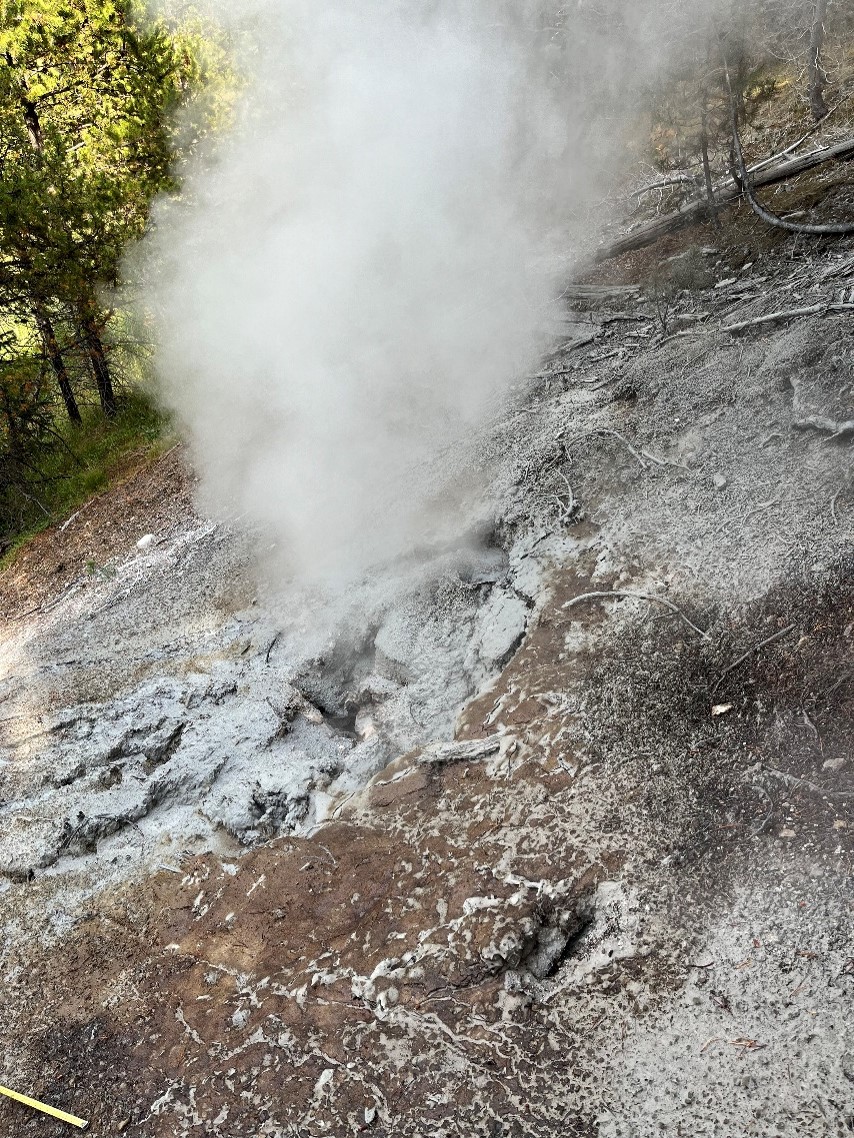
column 624, row 914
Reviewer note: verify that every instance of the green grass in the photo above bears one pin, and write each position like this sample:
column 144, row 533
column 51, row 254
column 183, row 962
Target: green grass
column 89, row 459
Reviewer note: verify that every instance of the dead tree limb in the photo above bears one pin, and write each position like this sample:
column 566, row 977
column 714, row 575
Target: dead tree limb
column 665, row 183
column 606, row 594
column 600, row 293
column 726, row 193
column 786, row 314
column 614, row 434
column 757, row 166
column 751, row 651
column 758, row 208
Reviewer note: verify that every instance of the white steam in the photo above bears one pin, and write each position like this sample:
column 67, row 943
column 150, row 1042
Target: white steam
column 367, row 261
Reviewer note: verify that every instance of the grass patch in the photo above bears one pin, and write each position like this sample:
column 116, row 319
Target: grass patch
column 84, row 461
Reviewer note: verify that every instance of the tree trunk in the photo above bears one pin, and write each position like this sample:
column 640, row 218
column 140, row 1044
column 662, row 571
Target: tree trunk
column 817, row 74
column 57, row 362
column 97, row 357
column 707, row 170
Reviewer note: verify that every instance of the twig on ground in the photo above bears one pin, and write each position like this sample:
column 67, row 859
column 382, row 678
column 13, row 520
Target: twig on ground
column 757, row 830
column 795, row 782
column 271, row 646
column 833, row 502
column 600, row 383
column 624, row 318
column 605, row 356
column 598, row 292
column 665, row 461
column 605, row 594
column 442, row 754
column 750, row 651
column 838, row 684
column 68, row 521
column 809, row 723
column 555, row 374
column 841, row 267
column 616, row 435
column 762, row 506
column 570, row 506
column 569, row 346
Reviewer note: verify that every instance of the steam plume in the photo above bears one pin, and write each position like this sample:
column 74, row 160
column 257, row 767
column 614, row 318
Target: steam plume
column 368, row 259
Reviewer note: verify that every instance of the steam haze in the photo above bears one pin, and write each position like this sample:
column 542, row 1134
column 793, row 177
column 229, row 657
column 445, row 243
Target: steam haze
column 369, row 259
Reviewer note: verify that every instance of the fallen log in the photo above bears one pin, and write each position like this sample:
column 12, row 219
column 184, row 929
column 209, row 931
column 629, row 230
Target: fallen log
column 598, row 293
column 726, row 192
column 786, row 314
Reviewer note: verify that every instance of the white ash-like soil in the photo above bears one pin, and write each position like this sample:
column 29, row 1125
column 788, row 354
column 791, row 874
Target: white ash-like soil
column 492, row 860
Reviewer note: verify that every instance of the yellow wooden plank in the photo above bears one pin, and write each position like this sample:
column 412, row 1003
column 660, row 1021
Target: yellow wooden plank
column 62, row 1115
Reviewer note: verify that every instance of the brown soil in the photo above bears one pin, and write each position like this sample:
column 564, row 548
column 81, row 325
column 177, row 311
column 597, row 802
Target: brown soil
column 153, row 497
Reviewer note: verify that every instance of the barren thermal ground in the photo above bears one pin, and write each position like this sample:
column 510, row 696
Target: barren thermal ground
column 427, row 568
column 552, row 837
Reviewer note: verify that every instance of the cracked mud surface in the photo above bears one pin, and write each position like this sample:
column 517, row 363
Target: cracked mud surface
column 505, row 862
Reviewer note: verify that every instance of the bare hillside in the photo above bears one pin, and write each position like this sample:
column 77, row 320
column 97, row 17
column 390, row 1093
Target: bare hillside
column 555, row 837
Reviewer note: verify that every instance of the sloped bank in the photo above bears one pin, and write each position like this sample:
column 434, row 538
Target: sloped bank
column 620, row 903
column 586, row 919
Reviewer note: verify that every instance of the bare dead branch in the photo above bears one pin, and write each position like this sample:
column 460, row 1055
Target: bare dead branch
column 605, row 594
column 616, row 435
column 758, row 208
column 726, row 192
column 786, row 314
column 756, row 648
column 673, row 180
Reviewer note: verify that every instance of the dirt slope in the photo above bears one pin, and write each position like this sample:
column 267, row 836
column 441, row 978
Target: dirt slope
column 539, row 864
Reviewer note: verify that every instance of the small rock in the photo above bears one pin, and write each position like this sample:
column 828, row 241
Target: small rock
column 833, row 764
column 719, row 481
column 370, row 1114
column 146, row 541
